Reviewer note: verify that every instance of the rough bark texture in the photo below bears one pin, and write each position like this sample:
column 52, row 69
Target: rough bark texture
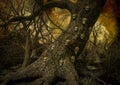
column 54, row 66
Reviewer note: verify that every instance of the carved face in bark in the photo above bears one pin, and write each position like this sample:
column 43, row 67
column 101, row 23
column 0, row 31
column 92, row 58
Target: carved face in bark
column 91, row 63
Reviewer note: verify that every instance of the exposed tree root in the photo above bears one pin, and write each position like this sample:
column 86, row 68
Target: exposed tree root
column 46, row 76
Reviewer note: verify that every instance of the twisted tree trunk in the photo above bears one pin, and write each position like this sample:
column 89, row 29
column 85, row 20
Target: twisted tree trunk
column 54, row 65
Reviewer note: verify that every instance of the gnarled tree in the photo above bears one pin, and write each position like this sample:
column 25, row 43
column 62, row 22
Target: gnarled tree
column 54, row 65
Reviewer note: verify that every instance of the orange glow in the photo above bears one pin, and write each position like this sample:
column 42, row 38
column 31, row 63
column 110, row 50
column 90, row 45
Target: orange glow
column 108, row 17
column 74, row 1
